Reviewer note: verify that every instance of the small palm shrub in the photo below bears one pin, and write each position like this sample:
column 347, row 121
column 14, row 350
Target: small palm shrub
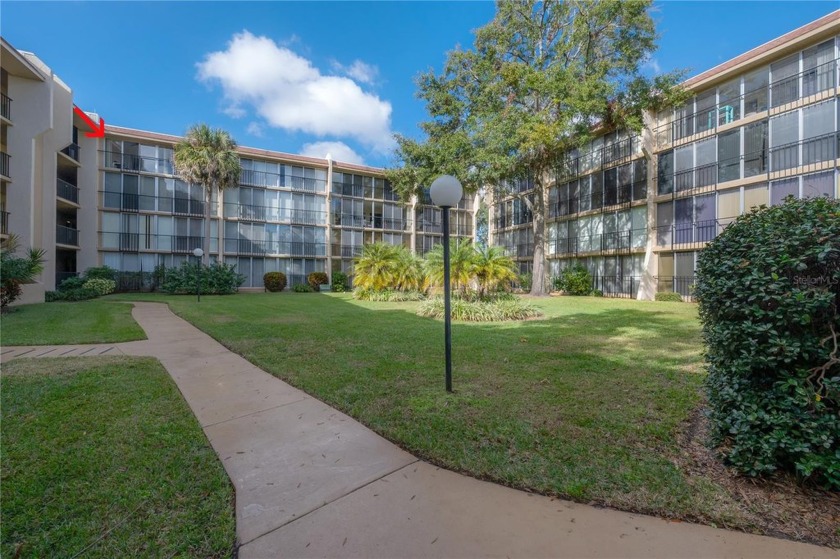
column 17, row 270
column 316, row 280
column 575, row 280
column 303, row 288
column 339, row 282
column 388, row 295
column 274, row 281
column 769, row 302
column 480, row 311
column 669, row 296
column 100, row 285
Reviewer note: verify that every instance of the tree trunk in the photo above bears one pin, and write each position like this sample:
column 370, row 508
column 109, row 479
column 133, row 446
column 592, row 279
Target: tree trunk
column 205, row 245
column 538, row 283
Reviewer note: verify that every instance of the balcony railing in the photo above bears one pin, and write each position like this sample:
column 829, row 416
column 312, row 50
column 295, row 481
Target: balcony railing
column 5, row 162
column 276, row 180
column 137, row 163
column 362, row 191
column 186, row 243
column 5, row 106
column 273, row 213
column 346, row 251
column 617, row 241
column 66, row 235
column 4, row 222
column 601, row 158
column 292, row 248
column 69, row 192
column 805, row 152
column 684, row 285
column 778, row 93
column 617, row 286
column 72, row 151
column 689, row 233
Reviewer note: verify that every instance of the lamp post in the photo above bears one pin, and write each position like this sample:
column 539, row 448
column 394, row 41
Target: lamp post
column 198, row 253
column 446, row 192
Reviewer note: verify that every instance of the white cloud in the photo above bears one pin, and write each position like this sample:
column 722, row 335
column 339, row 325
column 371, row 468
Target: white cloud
column 359, row 71
column 338, row 151
column 288, row 92
column 653, row 65
column 255, row 129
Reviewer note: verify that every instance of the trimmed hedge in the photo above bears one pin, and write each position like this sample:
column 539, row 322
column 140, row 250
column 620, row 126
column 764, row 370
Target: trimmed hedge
column 75, row 294
column 317, row 279
column 215, row 279
column 669, row 296
column 303, row 288
column 768, row 290
column 274, row 281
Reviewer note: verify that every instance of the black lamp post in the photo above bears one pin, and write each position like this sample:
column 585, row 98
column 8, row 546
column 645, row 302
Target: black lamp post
column 198, row 253
column 446, row 192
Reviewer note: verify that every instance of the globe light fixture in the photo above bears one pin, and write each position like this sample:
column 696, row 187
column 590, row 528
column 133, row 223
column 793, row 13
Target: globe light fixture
column 198, row 253
column 446, row 192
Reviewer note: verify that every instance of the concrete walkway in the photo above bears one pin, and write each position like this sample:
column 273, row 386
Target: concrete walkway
column 312, row 482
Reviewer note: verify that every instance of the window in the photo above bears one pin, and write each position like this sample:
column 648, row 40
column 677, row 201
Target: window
column 818, row 68
column 729, row 205
column 684, row 121
column 683, row 168
column 147, row 193
column 665, row 173
column 113, row 188
column 818, row 136
column 818, row 184
column 755, row 196
column 705, row 172
column 597, row 190
column 705, row 116
column 610, row 187
column 728, row 154
column 779, row 190
column 640, row 179
column 664, row 223
column 683, row 220
column 784, row 135
column 785, row 75
column 755, row 149
column 705, row 226
column 755, row 92
column 585, row 194
column 729, row 95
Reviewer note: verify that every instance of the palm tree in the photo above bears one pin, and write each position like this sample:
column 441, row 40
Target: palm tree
column 492, row 267
column 16, row 270
column 374, row 268
column 207, row 157
column 408, row 271
column 461, row 264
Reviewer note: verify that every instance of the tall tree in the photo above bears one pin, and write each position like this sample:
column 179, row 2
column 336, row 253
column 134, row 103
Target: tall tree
column 207, row 157
column 540, row 78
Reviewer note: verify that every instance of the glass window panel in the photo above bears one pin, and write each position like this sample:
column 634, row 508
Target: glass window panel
column 147, row 193
column 597, row 187
column 113, row 188
column 820, row 141
column 729, row 160
column 664, row 223
column 729, row 205
column 684, row 121
column 640, row 179
column 755, row 149
column 705, row 172
column 755, row 196
column 729, row 102
column 755, row 92
column 705, row 111
column 818, row 184
column 665, row 173
column 784, row 135
column 818, row 68
column 683, row 172
column 785, row 87
column 779, row 190
column 705, row 226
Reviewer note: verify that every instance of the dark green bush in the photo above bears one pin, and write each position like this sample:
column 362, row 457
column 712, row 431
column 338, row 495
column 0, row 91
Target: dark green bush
column 274, row 281
column 769, row 289
column 101, row 272
column 525, row 281
column 303, row 288
column 75, row 294
column 316, row 280
column 339, row 282
column 74, row 282
column 669, row 296
column 574, row 280
column 216, row 279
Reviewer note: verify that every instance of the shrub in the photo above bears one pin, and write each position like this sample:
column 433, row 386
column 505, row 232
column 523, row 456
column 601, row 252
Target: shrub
column 480, row 311
column 669, row 296
column 17, row 270
column 274, row 281
column 76, row 294
column 389, row 295
column 316, row 280
column 525, row 281
column 216, row 279
column 101, row 286
column 101, row 272
column 339, row 282
column 74, row 282
column 574, row 280
column 303, row 288
column 10, row 290
column 769, row 289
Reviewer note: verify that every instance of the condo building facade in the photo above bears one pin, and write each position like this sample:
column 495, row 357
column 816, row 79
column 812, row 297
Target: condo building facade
column 117, row 201
column 636, row 209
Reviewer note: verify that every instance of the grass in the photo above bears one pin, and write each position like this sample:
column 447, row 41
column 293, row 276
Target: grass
column 102, row 457
column 585, row 403
column 84, row 322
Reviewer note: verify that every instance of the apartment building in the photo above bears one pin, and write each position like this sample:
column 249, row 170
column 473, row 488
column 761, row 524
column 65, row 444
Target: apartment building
column 637, row 209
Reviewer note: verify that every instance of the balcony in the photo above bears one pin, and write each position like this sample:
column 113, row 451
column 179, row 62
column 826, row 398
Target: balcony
column 66, row 235
column 67, row 191
column 186, row 244
column 72, row 151
column 346, row 251
column 5, row 106
column 5, row 161
column 4, row 223
column 620, row 241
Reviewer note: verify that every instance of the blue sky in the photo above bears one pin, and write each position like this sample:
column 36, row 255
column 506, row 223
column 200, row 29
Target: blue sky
column 313, row 77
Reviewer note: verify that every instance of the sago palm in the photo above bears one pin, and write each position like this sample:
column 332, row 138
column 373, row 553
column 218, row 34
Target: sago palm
column 17, row 270
column 461, row 264
column 492, row 267
column 408, row 271
column 207, row 157
column 374, row 268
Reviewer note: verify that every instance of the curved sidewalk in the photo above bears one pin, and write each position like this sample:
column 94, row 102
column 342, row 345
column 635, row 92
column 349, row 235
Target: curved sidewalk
column 312, row 482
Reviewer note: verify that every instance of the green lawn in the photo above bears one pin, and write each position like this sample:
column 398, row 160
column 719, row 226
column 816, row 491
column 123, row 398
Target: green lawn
column 584, row 403
column 85, row 322
column 103, row 458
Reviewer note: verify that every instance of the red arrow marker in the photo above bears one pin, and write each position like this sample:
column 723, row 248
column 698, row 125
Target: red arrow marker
column 96, row 131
